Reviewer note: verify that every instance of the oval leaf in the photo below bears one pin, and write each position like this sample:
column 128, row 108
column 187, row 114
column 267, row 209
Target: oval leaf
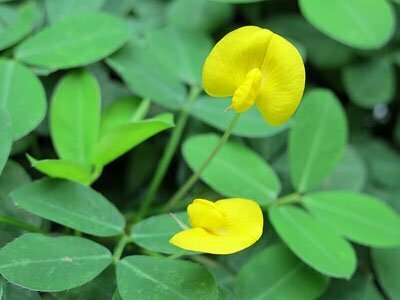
column 76, row 41
column 276, row 273
column 315, row 244
column 251, row 124
column 319, row 131
column 372, row 22
column 386, row 264
column 236, row 171
column 138, row 275
column 6, row 137
column 70, row 204
column 27, row 105
column 60, row 9
column 42, row 263
column 155, row 232
column 360, row 218
column 75, row 116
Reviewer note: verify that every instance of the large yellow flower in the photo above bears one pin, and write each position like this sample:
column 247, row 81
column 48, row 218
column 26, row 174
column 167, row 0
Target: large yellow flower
column 224, row 227
column 255, row 65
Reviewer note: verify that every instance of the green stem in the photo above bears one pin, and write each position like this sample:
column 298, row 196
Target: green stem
column 168, row 154
column 119, row 248
column 193, row 179
column 14, row 222
column 288, row 199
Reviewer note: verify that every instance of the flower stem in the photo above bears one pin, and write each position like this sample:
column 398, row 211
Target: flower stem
column 168, row 154
column 288, row 199
column 16, row 223
column 193, row 179
column 119, row 248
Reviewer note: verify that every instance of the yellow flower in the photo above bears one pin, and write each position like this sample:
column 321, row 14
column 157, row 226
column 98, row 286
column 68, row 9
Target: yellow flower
column 255, row 65
column 224, row 227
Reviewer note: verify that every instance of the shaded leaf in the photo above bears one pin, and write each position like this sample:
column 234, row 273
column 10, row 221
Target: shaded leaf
column 6, row 137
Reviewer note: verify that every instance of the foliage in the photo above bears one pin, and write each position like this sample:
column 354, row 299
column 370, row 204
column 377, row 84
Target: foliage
column 105, row 129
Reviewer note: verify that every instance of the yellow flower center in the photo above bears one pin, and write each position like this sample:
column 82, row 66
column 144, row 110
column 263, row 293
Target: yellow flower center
column 205, row 214
column 246, row 94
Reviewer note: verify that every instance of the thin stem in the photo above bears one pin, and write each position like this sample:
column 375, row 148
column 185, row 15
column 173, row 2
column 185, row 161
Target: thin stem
column 119, row 248
column 193, row 179
column 288, row 199
column 17, row 223
column 168, row 154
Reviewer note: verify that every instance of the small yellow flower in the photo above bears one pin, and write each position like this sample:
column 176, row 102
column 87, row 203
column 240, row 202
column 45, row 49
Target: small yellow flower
column 224, row 227
column 256, row 66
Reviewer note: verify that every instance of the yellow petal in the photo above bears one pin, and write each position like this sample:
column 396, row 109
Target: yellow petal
column 205, row 214
column 242, row 228
column 246, row 94
column 280, row 96
column 232, row 58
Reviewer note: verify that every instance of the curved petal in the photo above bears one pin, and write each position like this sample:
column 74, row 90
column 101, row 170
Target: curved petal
column 281, row 93
column 205, row 214
column 232, row 58
column 242, row 228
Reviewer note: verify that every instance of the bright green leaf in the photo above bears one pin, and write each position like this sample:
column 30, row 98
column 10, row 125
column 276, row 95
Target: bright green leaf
column 175, row 279
column 275, row 274
column 75, row 116
column 236, row 171
column 319, row 131
column 72, row 205
column 6, row 137
column 251, row 124
column 182, row 51
column 51, row 264
column 61, row 9
column 64, row 169
column 386, row 264
column 126, row 136
column 76, row 41
column 360, row 218
column 26, row 104
column 316, row 244
column 146, row 77
column 371, row 82
column 371, row 22
column 155, row 232
column 209, row 14
column 123, row 111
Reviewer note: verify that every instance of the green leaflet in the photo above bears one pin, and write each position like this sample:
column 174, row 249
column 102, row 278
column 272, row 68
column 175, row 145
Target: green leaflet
column 61, row 9
column 6, row 137
column 249, row 176
column 72, row 205
column 73, row 261
column 138, row 275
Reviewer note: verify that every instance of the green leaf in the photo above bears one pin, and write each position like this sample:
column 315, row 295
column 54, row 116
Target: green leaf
column 145, row 76
column 236, row 171
column 322, row 51
column 276, row 273
column 251, row 124
column 6, row 137
column 61, row 9
column 360, row 218
column 138, row 275
column 316, row 244
column 238, row 1
column 70, row 204
column 386, row 264
column 319, row 131
column 76, row 41
column 42, row 263
column 155, row 232
column 26, row 105
column 371, row 82
column 126, row 136
column 209, row 15
column 360, row 287
column 182, row 51
column 101, row 288
column 372, row 22
column 123, row 111
column 64, row 169
column 350, row 174
column 27, row 18
column 75, row 116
